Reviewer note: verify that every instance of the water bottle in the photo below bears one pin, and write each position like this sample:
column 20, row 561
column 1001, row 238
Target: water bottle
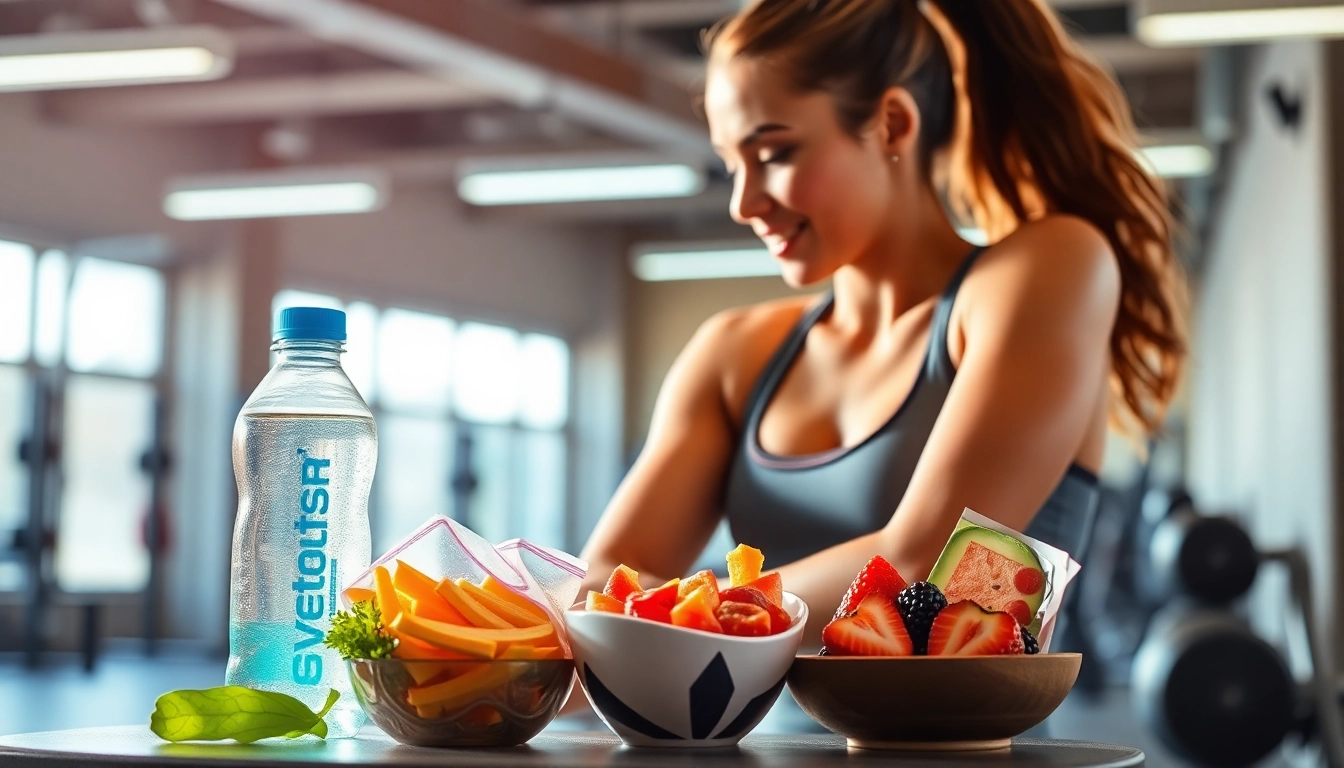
column 304, row 452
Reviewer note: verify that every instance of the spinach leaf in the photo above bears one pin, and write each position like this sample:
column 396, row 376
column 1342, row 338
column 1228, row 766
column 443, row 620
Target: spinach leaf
column 234, row 712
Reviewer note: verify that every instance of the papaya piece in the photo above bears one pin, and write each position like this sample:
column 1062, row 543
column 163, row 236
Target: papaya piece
column 744, row 565
column 477, row 614
column 696, row 611
column 503, row 592
column 483, row 716
column 772, row 586
column 461, row 690
column 429, row 711
column 623, row 582
column 705, row 578
column 507, row 611
column 605, row 603
column 424, row 672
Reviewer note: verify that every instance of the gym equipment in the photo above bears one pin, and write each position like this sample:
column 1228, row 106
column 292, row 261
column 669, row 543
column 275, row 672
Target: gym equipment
column 1202, row 681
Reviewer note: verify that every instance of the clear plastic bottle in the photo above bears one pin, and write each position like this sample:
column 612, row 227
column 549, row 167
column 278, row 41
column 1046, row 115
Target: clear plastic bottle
column 304, row 453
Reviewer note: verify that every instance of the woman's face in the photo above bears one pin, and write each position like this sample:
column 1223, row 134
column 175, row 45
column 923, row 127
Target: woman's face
column 817, row 197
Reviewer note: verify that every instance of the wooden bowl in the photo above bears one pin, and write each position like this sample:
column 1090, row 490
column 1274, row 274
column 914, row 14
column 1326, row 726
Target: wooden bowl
column 922, row 703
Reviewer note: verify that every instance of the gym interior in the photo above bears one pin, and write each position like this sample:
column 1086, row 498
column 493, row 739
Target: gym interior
column 132, row 327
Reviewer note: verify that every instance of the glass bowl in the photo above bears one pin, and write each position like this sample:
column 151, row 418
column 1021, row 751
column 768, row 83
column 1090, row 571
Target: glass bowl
column 469, row 703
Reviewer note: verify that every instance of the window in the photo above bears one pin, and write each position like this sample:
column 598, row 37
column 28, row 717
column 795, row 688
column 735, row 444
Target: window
column 103, row 321
column 472, row 421
column 16, row 301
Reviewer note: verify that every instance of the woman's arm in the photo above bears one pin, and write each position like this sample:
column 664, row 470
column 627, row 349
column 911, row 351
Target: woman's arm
column 666, row 509
column 1034, row 364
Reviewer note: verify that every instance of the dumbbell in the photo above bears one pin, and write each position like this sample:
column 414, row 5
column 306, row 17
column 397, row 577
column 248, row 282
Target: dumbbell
column 1211, row 690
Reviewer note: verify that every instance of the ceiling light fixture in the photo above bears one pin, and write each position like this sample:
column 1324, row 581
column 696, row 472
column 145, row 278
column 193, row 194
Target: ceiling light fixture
column 1178, row 160
column 658, row 262
column 115, row 57
column 299, row 192
column 1206, row 22
column 569, row 180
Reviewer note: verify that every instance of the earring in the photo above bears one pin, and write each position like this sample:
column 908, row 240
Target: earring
column 895, row 158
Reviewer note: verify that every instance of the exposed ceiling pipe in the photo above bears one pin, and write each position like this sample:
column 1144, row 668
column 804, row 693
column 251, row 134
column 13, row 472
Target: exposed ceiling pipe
column 498, row 51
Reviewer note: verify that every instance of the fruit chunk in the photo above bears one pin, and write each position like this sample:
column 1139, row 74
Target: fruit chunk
column 656, row 604
column 874, row 629
column 705, row 578
column 771, row 585
column 877, row 577
column 483, row 716
column 600, row 602
column 696, row 610
column 623, row 583
column 779, row 618
column 919, row 605
column 744, row 565
column 965, row 629
column 743, row 619
column 983, row 565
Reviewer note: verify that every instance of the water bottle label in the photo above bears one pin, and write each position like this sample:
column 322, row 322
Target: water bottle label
column 316, row 580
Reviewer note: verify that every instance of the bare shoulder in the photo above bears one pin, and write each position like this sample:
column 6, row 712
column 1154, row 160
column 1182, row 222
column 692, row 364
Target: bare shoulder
column 733, row 346
column 1060, row 264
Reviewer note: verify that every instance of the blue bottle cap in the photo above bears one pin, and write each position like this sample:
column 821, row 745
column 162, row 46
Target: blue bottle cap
column 318, row 323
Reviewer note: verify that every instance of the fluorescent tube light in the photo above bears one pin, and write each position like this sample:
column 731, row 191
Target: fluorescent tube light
column 573, row 185
column 115, row 57
column 1161, row 27
column 656, row 263
column 310, row 192
column 1178, row 161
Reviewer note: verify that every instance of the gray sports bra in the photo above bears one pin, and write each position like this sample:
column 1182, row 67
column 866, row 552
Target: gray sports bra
column 794, row 506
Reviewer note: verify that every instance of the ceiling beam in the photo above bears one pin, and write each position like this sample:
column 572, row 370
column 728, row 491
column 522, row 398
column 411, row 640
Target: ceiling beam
column 250, row 99
column 503, row 52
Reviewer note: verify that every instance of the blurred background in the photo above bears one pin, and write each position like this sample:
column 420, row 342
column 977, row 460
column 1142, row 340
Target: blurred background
column 515, row 203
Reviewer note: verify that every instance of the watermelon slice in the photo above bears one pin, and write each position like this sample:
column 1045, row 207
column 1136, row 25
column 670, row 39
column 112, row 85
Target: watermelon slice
column 995, row 571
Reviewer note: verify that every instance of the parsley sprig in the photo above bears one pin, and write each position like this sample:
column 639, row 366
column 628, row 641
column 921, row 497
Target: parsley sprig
column 359, row 633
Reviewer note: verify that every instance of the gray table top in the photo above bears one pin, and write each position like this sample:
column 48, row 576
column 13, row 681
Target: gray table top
column 135, row 745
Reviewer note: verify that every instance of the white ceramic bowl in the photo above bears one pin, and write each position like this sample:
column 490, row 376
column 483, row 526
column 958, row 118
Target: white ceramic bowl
column 658, row 685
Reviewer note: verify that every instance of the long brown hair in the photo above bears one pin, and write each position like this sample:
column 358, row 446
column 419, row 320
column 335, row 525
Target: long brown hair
column 1018, row 123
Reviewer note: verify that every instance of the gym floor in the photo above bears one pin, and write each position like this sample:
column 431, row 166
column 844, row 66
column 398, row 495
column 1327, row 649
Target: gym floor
column 121, row 691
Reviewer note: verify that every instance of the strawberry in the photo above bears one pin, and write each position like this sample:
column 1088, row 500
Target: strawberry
column 623, row 582
column 877, row 577
column 966, row 629
column 779, row 618
column 656, row 604
column 875, row 629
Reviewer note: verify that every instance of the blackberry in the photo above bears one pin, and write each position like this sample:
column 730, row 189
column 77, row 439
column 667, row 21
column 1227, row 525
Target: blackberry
column 1029, row 642
column 919, row 605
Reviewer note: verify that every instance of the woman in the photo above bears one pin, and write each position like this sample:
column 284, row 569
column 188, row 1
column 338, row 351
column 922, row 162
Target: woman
column 846, row 124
